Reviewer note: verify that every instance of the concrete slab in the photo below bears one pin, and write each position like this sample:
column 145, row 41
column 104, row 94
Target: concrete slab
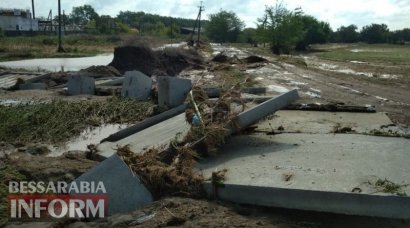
column 260, row 111
column 33, row 86
column 159, row 134
column 172, row 91
column 324, row 167
column 326, row 122
column 136, row 85
column 78, row 85
column 126, row 192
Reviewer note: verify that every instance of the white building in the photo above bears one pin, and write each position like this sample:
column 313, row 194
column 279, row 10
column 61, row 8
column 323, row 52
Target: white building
column 17, row 20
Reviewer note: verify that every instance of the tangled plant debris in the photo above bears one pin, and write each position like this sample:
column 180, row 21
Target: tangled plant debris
column 170, row 170
column 174, row 178
column 59, row 120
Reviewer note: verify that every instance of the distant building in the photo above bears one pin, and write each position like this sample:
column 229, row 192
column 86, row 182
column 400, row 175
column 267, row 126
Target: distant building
column 17, row 20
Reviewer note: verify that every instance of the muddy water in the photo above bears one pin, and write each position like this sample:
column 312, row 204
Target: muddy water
column 87, row 137
column 56, row 64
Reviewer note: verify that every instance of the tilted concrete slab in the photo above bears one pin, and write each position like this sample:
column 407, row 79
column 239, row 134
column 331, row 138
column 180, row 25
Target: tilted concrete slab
column 33, row 86
column 260, row 111
column 159, row 134
column 327, row 122
column 315, row 172
column 136, row 85
column 79, row 84
column 172, row 91
column 125, row 191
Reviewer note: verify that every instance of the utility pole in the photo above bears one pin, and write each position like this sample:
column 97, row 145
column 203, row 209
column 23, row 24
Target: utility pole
column 60, row 45
column 32, row 6
column 197, row 21
column 201, row 8
column 64, row 22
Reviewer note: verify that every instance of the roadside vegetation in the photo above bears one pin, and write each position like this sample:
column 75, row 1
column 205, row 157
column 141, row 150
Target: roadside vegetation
column 391, row 53
column 13, row 48
column 58, row 121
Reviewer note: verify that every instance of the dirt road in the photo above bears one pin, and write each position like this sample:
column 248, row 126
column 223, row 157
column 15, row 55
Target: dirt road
column 386, row 86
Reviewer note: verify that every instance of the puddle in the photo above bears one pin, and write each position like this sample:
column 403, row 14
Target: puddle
column 353, row 90
column 381, row 98
column 296, row 83
column 229, row 51
column 56, row 64
column 10, row 102
column 288, row 65
column 365, row 50
column 87, row 137
column 315, row 90
column 312, row 94
column 390, row 76
column 358, row 62
column 276, row 88
column 336, row 68
column 175, row 45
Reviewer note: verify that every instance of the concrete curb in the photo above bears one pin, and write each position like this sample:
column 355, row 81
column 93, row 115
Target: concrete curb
column 336, row 202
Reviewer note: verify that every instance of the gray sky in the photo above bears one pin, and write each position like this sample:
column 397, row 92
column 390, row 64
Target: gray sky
column 394, row 13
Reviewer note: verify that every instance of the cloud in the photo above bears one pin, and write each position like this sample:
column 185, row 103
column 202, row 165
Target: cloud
column 394, row 13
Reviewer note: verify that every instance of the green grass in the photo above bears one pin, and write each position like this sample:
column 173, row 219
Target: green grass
column 7, row 174
column 57, row 121
column 366, row 52
column 26, row 47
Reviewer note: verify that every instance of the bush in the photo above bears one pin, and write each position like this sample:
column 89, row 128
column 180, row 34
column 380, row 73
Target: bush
column 1, row 32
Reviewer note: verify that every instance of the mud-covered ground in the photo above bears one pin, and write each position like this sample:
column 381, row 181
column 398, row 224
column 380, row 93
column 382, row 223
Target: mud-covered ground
column 383, row 83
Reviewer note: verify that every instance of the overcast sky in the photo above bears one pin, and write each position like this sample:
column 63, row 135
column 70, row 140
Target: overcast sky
column 394, row 13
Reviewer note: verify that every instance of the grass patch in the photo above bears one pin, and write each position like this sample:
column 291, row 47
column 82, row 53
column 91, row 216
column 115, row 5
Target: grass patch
column 387, row 186
column 59, row 120
column 23, row 47
column 367, row 52
column 7, row 174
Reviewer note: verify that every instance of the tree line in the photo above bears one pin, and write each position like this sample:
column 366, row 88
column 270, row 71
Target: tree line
column 286, row 30
column 125, row 21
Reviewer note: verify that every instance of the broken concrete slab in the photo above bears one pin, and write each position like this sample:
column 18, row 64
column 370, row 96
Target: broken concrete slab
column 167, row 130
column 136, row 85
column 157, row 135
column 146, row 124
column 78, row 85
column 33, row 86
column 254, row 114
column 316, row 172
column 113, row 82
column 172, row 91
column 327, row 122
column 126, row 192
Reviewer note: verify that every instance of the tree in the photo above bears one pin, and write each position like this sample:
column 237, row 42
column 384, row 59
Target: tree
column 224, row 26
column 347, row 34
column 248, row 35
column 315, row 32
column 105, row 24
column 82, row 15
column 282, row 28
column 375, row 33
column 400, row 36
